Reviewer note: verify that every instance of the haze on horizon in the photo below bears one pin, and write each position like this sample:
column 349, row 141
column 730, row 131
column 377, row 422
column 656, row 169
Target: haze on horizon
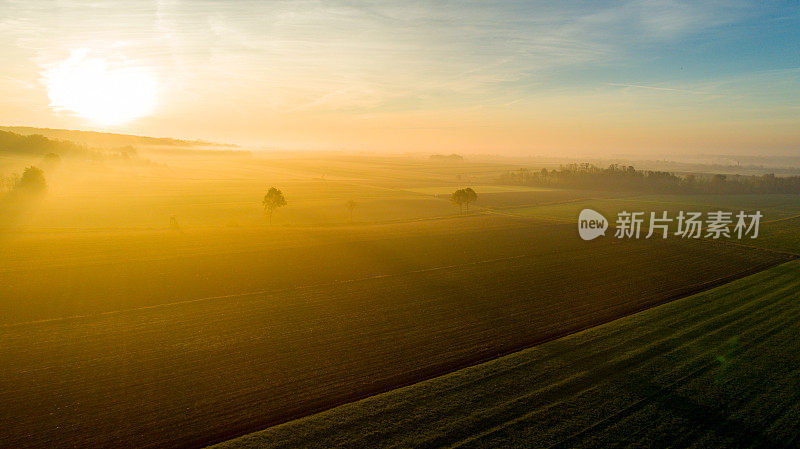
column 643, row 77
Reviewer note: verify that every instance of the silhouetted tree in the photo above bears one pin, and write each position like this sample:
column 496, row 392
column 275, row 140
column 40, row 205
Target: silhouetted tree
column 273, row 200
column 462, row 198
column 52, row 158
column 37, row 144
column 626, row 178
column 457, row 198
column 469, row 196
column 351, row 205
column 31, row 181
column 7, row 183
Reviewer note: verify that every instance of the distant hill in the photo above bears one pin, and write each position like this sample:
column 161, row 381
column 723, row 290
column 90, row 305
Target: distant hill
column 446, row 157
column 109, row 140
column 37, row 144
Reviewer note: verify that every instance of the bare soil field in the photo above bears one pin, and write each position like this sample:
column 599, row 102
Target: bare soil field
column 153, row 359
column 717, row 369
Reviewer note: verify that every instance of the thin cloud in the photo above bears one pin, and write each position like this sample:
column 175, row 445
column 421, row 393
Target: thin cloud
column 668, row 89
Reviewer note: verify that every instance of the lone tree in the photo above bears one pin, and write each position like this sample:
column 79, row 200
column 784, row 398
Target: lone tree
column 471, row 196
column 462, row 198
column 273, row 200
column 350, row 206
column 32, row 181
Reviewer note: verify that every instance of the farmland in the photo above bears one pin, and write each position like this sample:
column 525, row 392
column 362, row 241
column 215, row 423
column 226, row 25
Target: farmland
column 778, row 230
column 773, row 206
column 225, row 191
column 127, row 330
column 717, row 369
column 359, row 224
column 316, row 340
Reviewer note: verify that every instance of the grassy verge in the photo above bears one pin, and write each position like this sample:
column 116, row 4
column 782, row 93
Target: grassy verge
column 717, row 369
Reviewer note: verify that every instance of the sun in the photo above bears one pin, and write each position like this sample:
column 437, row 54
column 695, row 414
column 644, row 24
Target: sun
column 93, row 89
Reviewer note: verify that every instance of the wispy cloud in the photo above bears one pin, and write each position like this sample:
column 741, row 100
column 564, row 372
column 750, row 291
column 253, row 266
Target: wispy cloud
column 329, row 54
column 420, row 63
column 667, row 89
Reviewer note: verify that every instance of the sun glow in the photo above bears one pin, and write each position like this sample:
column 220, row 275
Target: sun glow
column 102, row 94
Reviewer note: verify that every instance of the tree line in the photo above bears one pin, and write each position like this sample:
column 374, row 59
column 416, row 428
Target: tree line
column 627, row 178
column 37, row 144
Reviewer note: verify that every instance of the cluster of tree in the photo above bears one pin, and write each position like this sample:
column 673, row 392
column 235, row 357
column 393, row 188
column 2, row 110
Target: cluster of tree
column 627, row 178
column 8, row 182
column 32, row 181
column 462, row 198
column 53, row 149
column 36, row 144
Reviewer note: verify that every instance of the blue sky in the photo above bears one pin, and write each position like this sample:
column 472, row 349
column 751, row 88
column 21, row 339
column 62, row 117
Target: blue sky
column 515, row 77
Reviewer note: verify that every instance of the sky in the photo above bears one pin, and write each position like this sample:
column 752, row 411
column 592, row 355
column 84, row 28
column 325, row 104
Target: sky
column 518, row 78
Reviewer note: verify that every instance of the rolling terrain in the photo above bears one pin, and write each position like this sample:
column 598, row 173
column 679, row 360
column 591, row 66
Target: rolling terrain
column 118, row 328
column 717, row 369
column 176, row 359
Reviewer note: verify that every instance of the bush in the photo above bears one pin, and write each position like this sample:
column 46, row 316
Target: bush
column 32, row 181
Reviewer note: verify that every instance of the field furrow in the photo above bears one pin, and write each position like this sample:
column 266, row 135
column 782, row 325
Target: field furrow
column 142, row 376
column 717, row 369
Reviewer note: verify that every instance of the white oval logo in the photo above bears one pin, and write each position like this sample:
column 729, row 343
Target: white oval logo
column 591, row 224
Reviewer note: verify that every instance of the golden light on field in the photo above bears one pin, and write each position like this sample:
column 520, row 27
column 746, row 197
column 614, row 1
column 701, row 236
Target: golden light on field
column 94, row 89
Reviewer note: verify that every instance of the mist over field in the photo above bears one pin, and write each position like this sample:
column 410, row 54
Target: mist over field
column 347, row 224
column 314, row 279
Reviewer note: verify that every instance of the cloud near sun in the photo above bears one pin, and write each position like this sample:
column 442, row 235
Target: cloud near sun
column 103, row 92
column 643, row 76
